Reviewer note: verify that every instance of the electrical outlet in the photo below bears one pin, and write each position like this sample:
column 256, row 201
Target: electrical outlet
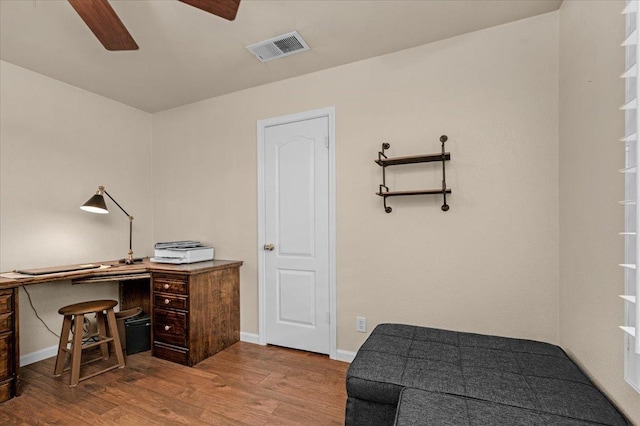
column 361, row 324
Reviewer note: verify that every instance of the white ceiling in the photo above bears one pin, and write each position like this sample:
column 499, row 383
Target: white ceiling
column 187, row 55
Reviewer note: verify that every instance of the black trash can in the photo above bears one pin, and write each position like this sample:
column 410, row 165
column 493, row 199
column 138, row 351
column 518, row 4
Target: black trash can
column 138, row 334
column 121, row 317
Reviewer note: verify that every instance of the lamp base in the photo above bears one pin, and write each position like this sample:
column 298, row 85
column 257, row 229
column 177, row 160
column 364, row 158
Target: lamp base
column 131, row 261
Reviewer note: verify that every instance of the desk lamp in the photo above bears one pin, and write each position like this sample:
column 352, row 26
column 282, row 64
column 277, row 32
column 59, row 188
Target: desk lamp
column 96, row 204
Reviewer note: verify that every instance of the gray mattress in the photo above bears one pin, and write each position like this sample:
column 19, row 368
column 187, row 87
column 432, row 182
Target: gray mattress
column 443, row 371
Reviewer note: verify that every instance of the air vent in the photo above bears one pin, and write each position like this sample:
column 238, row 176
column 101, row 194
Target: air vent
column 279, row 47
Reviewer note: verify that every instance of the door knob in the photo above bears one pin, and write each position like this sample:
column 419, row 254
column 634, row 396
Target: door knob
column 269, row 247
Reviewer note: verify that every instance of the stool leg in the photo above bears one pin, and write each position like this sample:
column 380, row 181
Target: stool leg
column 64, row 341
column 76, row 350
column 113, row 329
column 102, row 334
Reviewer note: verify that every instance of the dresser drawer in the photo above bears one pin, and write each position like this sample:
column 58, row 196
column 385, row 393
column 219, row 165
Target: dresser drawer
column 6, row 322
column 6, row 301
column 6, row 356
column 170, row 283
column 169, row 301
column 5, row 390
column 170, row 353
column 170, row 327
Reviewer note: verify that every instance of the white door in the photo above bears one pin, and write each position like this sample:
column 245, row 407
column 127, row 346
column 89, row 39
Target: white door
column 296, row 166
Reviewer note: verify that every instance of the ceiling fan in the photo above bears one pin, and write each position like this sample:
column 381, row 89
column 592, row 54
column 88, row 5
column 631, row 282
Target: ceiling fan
column 111, row 32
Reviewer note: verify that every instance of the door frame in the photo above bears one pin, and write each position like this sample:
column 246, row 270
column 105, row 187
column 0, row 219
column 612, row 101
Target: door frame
column 262, row 125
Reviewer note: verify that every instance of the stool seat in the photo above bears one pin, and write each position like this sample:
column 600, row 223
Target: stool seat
column 87, row 307
column 105, row 337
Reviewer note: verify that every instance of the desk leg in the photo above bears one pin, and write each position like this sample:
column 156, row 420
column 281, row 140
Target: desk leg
column 17, row 388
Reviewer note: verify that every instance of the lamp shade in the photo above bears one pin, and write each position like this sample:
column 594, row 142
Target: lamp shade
column 95, row 204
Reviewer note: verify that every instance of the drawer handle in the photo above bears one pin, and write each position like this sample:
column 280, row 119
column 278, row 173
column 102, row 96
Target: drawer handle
column 167, row 327
column 166, row 286
column 167, row 301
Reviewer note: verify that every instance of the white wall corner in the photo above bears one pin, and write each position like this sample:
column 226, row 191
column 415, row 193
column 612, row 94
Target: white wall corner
column 249, row 338
column 345, row 356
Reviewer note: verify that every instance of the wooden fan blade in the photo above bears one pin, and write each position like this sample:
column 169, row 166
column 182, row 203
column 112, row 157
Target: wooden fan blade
column 226, row 9
column 105, row 24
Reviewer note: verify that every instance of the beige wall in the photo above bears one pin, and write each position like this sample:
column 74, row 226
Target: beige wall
column 494, row 263
column 57, row 144
column 489, row 265
column 590, row 187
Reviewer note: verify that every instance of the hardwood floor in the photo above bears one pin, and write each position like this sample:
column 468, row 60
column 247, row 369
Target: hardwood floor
column 245, row 384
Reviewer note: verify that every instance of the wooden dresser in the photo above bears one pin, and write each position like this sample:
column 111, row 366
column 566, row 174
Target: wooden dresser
column 195, row 309
column 196, row 313
column 8, row 344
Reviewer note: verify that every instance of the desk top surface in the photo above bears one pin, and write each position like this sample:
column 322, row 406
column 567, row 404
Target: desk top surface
column 115, row 269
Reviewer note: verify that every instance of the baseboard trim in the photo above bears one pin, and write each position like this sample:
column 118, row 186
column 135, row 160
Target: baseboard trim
column 30, row 358
column 345, row 356
column 36, row 356
column 341, row 355
column 249, row 338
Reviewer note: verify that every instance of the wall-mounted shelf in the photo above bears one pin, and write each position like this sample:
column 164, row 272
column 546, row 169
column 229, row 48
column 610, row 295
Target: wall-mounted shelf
column 409, row 160
column 418, row 192
column 383, row 161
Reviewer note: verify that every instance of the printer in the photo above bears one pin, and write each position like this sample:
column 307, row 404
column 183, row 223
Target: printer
column 177, row 252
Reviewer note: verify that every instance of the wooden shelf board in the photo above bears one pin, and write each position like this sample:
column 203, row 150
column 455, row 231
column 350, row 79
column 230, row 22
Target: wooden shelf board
column 418, row 192
column 413, row 159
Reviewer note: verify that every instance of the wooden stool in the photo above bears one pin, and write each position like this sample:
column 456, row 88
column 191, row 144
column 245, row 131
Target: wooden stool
column 76, row 312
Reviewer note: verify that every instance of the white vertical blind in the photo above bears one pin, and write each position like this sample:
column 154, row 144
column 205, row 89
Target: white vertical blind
column 632, row 185
column 632, row 213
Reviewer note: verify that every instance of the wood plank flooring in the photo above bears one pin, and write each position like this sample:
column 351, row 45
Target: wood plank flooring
column 245, row 384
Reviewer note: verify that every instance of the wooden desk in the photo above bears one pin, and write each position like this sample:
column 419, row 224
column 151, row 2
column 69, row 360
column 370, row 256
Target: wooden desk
column 195, row 309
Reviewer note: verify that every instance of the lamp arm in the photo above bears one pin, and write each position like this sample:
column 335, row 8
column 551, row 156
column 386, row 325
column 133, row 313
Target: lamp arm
column 130, row 258
column 123, row 210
